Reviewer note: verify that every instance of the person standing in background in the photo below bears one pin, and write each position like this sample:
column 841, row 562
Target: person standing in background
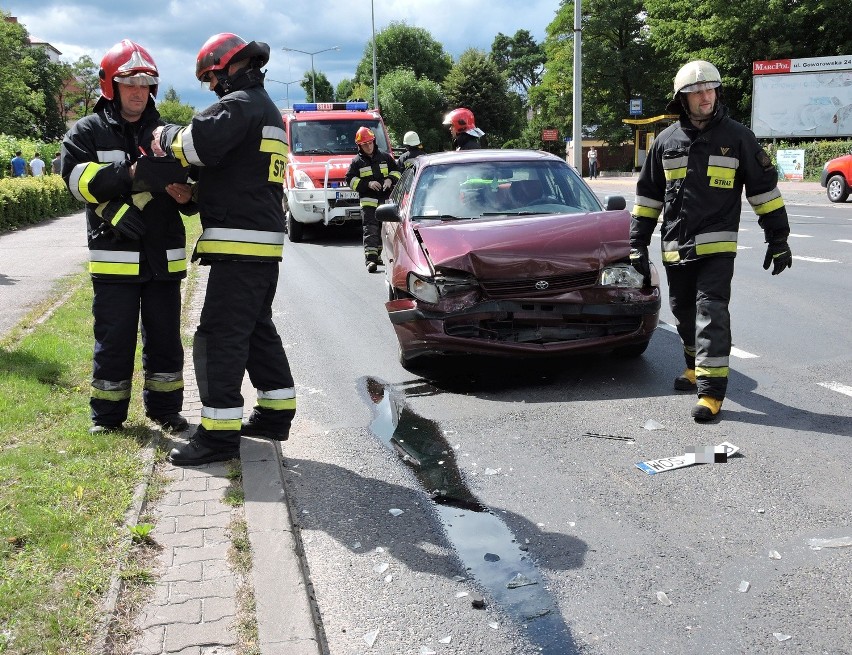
column 593, row 163
column 37, row 166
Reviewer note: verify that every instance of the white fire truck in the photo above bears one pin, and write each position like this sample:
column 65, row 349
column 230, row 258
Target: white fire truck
column 321, row 138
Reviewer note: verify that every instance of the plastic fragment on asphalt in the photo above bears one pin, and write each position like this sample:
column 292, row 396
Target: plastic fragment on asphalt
column 663, row 599
column 492, row 471
column 459, row 578
column 425, row 650
column 381, row 568
column 370, row 638
column 744, row 586
column 356, row 545
column 780, row 636
column 774, row 554
column 379, row 549
column 446, row 639
column 520, row 580
column 651, row 424
column 388, row 578
column 477, row 602
column 461, row 594
column 396, row 512
column 494, row 625
column 837, row 542
column 492, row 557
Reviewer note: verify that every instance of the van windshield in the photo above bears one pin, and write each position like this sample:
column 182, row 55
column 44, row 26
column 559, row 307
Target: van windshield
column 332, row 137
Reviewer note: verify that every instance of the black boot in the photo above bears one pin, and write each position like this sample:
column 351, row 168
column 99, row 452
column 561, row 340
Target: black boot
column 170, row 422
column 195, row 453
column 98, row 428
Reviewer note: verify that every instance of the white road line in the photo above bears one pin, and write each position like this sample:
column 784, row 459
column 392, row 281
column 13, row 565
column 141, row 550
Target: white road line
column 836, row 386
column 842, row 240
column 743, row 247
column 816, row 260
column 801, row 236
column 735, row 352
column 804, row 216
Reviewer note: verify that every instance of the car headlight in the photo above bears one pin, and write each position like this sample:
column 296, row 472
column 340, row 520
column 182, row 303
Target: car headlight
column 423, row 289
column 621, row 275
column 302, row 180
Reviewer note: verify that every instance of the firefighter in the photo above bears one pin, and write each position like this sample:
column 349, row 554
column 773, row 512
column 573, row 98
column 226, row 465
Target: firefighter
column 694, row 176
column 372, row 174
column 413, row 149
column 463, row 129
column 137, row 243
column 238, row 145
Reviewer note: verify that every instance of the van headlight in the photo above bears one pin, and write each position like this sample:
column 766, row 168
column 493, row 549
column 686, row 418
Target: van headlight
column 302, row 180
column 621, row 275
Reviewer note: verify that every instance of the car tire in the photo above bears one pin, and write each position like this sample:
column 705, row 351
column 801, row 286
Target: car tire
column 295, row 230
column 633, row 350
column 836, row 189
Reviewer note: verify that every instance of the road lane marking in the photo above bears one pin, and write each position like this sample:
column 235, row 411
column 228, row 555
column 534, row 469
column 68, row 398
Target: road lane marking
column 816, row 260
column 735, row 352
column 801, row 236
column 842, row 240
column 836, row 386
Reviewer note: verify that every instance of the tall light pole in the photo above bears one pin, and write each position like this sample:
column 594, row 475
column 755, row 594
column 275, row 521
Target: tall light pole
column 287, row 84
column 375, row 81
column 313, row 72
column 578, row 87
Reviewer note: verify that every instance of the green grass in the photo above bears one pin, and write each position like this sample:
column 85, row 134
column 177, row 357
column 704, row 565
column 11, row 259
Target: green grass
column 63, row 492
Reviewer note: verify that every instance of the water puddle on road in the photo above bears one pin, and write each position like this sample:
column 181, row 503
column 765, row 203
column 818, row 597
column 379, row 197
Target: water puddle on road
column 484, row 543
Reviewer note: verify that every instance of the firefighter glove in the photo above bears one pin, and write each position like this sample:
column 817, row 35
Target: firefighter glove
column 124, row 218
column 639, row 260
column 779, row 256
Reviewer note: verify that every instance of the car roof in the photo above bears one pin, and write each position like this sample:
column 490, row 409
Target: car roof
column 485, row 155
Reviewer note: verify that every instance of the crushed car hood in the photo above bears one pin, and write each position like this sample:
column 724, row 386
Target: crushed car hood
column 538, row 246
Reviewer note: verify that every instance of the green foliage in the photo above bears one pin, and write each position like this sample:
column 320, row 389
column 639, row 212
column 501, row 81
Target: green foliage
column 82, row 100
column 401, row 46
column 9, row 145
column 519, row 58
column 324, row 90
column 476, row 83
column 173, row 111
column 141, row 532
column 816, row 153
column 415, row 104
column 32, row 199
column 344, row 89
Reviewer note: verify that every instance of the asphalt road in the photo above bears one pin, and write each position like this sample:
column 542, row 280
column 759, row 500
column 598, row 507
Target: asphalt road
column 599, row 538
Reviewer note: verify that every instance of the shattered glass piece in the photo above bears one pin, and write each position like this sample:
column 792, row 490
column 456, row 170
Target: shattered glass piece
column 425, row 650
column 389, row 578
column 744, row 586
column 780, row 636
column 520, row 580
column 663, row 599
column 461, row 594
column 492, row 471
column 396, row 512
column 379, row 549
column 492, row 557
column 494, row 625
column 459, row 578
column 837, row 542
column 651, row 424
column 446, row 639
column 356, row 545
column 381, row 568
column 370, row 637
column 774, row 554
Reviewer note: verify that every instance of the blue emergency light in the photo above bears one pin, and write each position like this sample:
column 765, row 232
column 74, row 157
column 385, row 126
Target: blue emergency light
column 352, row 105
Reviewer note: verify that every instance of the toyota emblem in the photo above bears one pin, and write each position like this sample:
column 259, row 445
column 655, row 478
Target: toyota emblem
column 541, row 285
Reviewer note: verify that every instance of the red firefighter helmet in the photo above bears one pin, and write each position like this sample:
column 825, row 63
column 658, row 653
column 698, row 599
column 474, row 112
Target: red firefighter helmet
column 222, row 50
column 364, row 135
column 461, row 119
column 129, row 63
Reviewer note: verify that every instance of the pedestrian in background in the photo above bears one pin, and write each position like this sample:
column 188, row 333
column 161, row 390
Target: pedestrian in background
column 137, row 242
column 18, row 165
column 372, row 173
column 238, row 144
column 593, row 162
column 413, row 149
column 694, row 175
column 55, row 165
column 37, row 166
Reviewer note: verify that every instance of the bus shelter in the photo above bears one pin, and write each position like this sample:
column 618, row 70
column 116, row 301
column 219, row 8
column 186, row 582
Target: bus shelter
column 644, row 133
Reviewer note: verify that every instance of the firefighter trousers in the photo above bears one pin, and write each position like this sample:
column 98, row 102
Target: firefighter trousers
column 372, row 234
column 699, row 294
column 236, row 334
column 117, row 308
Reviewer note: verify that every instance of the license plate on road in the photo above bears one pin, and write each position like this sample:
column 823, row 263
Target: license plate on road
column 347, row 195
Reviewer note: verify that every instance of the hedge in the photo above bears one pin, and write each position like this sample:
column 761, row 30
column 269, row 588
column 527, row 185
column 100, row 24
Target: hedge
column 29, row 200
column 816, row 153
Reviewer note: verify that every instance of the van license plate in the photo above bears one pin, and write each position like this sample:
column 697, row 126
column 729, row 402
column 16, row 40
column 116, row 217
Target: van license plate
column 347, row 195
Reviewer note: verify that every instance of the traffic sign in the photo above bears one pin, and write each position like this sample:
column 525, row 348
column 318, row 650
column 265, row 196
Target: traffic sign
column 635, row 106
column 550, row 135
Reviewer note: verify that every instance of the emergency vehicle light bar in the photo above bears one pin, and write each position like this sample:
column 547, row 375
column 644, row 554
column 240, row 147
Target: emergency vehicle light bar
column 330, row 106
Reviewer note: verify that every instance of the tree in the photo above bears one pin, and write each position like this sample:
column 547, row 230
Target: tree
column 84, row 93
column 48, row 79
column 173, row 111
column 474, row 82
column 324, row 90
column 344, row 89
column 409, row 103
column 22, row 106
column 402, row 46
column 519, row 58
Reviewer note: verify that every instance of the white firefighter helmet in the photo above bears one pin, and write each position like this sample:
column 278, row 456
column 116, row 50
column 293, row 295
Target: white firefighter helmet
column 411, row 139
column 697, row 75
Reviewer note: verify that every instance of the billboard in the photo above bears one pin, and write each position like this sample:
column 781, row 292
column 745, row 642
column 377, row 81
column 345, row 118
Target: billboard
column 816, row 102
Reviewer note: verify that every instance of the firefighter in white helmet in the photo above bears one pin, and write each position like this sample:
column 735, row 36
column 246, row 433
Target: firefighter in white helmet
column 413, row 149
column 694, row 176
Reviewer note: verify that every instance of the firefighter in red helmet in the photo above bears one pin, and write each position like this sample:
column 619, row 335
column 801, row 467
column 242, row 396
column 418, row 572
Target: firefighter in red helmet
column 239, row 148
column 372, row 174
column 137, row 243
column 463, row 129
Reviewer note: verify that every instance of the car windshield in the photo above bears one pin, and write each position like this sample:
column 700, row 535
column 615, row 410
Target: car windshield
column 331, row 137
column 500, row 188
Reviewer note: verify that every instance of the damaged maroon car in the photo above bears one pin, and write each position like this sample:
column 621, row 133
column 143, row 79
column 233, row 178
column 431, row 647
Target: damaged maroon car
column 508, row 252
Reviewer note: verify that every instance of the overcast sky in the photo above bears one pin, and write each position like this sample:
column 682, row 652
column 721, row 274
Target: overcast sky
column 173, row 31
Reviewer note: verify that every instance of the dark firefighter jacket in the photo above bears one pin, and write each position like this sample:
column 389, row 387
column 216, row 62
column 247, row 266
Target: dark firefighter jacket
column 407, row 158
column 239, row 145
column 696, row 178
column 364, row 170
column 465, row 141
column 96, row 157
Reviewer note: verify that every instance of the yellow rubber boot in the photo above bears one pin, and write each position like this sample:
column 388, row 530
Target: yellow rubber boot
column 706, row 409
column 686, row 381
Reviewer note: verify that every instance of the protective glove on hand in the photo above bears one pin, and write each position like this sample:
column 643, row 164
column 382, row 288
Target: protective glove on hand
column 779, row 255
column 640, row 261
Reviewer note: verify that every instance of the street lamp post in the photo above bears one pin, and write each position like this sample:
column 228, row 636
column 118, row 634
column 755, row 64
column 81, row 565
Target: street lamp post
column 287, row 84
column 313, row 72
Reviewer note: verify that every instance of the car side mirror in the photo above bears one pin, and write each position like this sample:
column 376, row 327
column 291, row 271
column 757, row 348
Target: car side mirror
column 614, row 202
column 388, row 213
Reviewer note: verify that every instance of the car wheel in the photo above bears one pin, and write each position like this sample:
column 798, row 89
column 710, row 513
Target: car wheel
column 837, row 189
column 295, row 230
column 633, row 350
